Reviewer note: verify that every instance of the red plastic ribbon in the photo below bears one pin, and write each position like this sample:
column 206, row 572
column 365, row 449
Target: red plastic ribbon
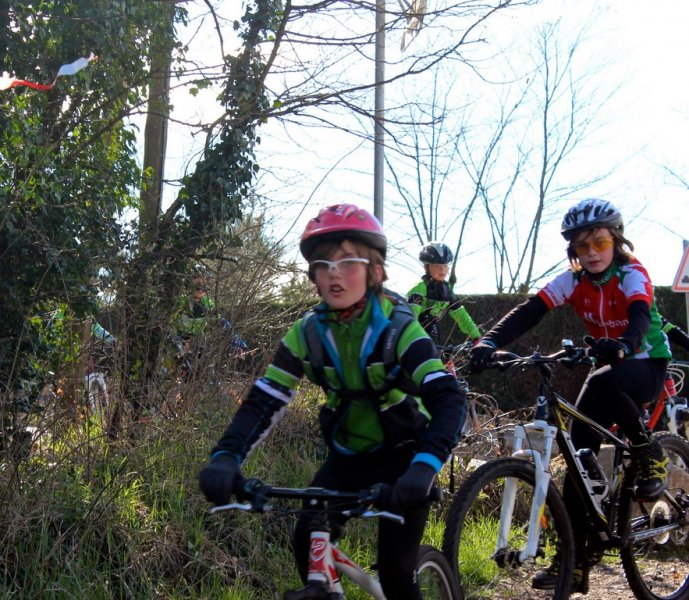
column 68, row 69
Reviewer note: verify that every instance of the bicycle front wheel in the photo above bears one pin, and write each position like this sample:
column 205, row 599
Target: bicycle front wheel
column 435, row 576
column 486, row 571
column 655, row 534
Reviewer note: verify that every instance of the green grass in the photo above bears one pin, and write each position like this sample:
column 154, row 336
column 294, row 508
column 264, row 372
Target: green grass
column 85, row 517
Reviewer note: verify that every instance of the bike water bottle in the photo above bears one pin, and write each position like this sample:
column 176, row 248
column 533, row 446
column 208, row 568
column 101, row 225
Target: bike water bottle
column 670, row 386
column 599, row 482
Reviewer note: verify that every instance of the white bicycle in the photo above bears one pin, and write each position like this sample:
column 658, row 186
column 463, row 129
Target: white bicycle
column 326, row 560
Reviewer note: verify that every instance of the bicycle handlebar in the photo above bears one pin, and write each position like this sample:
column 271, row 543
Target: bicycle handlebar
column 462, row 349
column 256, row 494
column 569, row 355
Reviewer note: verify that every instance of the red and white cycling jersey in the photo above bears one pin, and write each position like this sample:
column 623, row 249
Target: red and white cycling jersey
column 602, row 305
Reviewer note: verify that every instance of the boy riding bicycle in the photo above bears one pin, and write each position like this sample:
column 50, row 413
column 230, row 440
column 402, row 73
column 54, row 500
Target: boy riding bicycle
column 613, row 295
column 392, row 414
column 432, row 297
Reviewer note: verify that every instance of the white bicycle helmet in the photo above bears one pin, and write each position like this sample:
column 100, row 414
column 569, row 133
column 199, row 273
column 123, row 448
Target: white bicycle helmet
column 589, row 213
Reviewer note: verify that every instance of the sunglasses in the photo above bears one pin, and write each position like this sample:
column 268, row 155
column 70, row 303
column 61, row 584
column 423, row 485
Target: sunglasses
column 344, row 266
column 599, row 245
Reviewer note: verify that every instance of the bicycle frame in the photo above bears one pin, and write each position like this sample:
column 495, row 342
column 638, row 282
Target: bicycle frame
column 675, row 408
column 326, row 560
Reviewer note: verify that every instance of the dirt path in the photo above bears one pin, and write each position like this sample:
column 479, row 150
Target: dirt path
column 607, row 582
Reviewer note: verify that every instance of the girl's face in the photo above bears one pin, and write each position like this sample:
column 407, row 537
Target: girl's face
column 345, row 284
column 438, row 272
column 595, row 249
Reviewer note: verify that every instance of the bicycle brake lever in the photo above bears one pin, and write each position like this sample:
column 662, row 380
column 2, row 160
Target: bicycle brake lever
column 383, row 514
column 231, row 506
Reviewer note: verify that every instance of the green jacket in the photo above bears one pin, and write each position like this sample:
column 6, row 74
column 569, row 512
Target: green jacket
column 191, row 317
column 362, row 413
column 432, row 300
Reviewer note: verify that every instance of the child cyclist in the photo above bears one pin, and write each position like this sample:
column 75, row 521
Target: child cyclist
column 675, row 334
column 612, row 294
column 390, row 420
column 432, row 297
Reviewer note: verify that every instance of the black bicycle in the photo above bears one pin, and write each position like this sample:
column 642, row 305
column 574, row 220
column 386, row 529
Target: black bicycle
column 508, row 519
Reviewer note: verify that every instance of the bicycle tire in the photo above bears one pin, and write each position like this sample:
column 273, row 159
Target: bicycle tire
column 471, row 530
column 657, row 568
column 436, row 579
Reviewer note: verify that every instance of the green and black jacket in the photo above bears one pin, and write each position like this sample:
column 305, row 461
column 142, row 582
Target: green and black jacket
column 364, row 412
column 431, row 300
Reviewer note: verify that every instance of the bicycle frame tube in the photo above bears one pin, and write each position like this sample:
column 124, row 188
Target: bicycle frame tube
column 574, row 467
column 660, row 406
column 349, row 568
column 326, row 559
column 670, row 403
column 321, row 563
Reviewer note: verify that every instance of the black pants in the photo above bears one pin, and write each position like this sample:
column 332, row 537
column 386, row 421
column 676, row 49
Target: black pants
column 398, row 545
column 612, row 395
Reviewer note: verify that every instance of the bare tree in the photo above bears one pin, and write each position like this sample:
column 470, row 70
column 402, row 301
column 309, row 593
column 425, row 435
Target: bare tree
column 505, row 171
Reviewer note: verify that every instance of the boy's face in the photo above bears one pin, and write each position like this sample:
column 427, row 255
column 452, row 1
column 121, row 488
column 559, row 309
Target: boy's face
column 438, row 272
column 341, row 288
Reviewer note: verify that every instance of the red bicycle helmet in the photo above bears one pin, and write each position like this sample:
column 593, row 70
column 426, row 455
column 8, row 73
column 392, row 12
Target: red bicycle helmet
column 342, row 221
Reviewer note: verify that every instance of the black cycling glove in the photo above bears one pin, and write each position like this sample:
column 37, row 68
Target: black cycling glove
column 609, row 350
column 413, row 488
column 481, row 356
column 217, row 480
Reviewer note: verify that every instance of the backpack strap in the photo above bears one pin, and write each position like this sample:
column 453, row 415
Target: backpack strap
column 314, row 347
column 400, row 317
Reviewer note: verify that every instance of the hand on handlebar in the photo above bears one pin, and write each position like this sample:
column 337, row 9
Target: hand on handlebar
column 220, row 479
column 608, row 350
column 481, row 356
column 413, row 489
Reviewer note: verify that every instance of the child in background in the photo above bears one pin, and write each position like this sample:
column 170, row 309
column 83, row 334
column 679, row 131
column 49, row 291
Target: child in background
column 675, row 334
column 432, row 297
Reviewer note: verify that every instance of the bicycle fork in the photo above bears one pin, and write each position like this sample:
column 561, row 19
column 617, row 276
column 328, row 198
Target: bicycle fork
column 541, row 483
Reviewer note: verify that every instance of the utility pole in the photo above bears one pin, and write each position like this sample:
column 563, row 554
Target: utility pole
column 379, row 114
column 414, row 11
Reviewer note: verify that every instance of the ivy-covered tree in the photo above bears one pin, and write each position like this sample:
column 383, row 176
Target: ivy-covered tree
column 68, row 165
